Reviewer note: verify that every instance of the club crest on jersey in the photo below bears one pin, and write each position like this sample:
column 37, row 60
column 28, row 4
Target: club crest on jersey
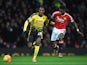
column 60, row 19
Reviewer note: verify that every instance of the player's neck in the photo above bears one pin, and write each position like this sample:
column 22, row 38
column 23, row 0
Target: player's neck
column 40, row 14
column 62, row 13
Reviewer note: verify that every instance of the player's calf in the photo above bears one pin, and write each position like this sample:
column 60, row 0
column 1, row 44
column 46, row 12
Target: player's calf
column 60, row 51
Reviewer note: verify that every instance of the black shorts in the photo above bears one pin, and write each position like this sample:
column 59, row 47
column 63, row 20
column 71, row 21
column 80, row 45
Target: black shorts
column 34, row 35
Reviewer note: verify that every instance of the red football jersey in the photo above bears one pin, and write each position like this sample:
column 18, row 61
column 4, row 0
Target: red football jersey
column 61, row 20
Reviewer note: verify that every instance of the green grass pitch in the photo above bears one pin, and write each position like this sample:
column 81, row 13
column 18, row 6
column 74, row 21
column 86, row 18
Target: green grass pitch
column 47, row 60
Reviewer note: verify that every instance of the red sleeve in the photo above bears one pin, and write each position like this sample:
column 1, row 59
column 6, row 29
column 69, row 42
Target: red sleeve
column 71, row 18
column 54, row 13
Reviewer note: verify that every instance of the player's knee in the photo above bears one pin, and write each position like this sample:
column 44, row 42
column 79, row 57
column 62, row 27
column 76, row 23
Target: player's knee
column 29, row 44
column 53, row 43
column 38, row 43
column 61, row 35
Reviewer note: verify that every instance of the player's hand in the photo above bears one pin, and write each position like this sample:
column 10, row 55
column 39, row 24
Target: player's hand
column 81, row 33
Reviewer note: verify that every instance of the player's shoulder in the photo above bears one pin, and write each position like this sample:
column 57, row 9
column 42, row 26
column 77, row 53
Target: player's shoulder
column 68, row 14
column 56, row 12
column 44, row 16
column 34, row 14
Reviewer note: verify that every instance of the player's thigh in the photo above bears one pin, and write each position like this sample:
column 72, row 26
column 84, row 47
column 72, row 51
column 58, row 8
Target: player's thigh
column 54, row 34
column 38, row 38
column 33, row 36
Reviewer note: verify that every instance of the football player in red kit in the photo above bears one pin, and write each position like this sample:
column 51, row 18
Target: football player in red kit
column 61, row 18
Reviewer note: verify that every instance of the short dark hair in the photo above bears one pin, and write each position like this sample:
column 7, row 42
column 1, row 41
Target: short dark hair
column 63, row 7
column 41, row 7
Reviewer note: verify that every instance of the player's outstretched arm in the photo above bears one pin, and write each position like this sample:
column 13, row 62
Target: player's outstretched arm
column 51, row 22
column 77, row 29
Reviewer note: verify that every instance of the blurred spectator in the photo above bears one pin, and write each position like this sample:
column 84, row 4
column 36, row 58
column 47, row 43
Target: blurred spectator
column 13, row 13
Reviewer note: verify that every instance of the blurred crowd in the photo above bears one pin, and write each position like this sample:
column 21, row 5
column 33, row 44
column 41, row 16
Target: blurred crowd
column 13, row 14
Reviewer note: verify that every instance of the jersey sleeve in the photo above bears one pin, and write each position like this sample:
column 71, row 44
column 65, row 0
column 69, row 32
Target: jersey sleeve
column 25, row 25
column 29, row 20
column 54, row 13
column 47, row 20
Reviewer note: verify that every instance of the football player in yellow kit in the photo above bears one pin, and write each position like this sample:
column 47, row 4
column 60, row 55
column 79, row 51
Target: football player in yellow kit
column 37, row 22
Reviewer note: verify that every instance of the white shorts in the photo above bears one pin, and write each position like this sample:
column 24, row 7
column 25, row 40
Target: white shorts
column 56, row 32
